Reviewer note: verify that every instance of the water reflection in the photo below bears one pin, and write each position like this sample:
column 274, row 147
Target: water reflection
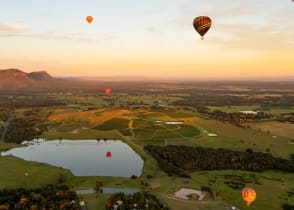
column 83, row 157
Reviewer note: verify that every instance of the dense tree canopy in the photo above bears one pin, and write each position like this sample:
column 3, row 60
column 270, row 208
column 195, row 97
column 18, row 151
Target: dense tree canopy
column 140, row 200
column 22, row 129
column 178, row 159
column 49, row 197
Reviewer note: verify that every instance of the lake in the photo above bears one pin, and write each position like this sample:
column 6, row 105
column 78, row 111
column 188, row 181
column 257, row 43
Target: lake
column 108, row 190
column 84, row 157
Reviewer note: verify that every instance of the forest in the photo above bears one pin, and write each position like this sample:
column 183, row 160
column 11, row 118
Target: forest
column 22, row 129
column 140, row 200
column 177, row 160
column 238, row 118
column 49, row 197
column 4, row 113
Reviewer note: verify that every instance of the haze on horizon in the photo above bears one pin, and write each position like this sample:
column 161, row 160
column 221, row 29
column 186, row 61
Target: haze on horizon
column 153, row 38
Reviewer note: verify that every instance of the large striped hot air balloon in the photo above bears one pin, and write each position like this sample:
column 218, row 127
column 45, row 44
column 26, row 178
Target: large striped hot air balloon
column 248, row 195
column 202, row 24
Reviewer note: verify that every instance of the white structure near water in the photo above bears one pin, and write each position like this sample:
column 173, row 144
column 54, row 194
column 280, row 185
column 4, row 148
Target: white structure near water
column 249, row 112
column 212, row 135
column 174, row 123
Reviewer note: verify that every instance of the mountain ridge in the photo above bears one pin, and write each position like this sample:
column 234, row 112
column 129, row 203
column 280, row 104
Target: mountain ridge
column 13, row 79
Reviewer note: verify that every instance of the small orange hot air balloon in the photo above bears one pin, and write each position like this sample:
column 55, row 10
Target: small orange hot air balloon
column 89, row 19
column 107, row 91
column 202, row 24
column 248, row 195
column 108, row 154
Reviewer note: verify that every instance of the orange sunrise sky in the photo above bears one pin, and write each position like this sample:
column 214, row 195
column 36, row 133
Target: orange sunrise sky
column 148, row 38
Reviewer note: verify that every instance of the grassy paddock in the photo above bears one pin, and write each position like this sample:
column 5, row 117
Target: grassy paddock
column 269, row 110
column 6, row 146
column 113, row 124
column 82, row 134
column 231, row 109
column 95, row 202
column 235, row 138
column 13, row 173
column 275, row 128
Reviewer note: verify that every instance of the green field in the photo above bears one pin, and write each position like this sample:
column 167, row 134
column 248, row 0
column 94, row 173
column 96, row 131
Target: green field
column 82, row 134
column 231, row 109
column 280, row 129
column 235, row 138
column 270, row 186
column 95, row 202
column 278, row 111
column 6, row 146
column 179, row 114
column 113, row 124
column 13, row 172
column 125, row 132
column 99, row 100
column 269, row 110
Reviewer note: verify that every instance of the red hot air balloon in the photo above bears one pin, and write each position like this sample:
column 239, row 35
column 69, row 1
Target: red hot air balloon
column 108, row 154
column 89, row 19
column 107, row 91
column 202, row 24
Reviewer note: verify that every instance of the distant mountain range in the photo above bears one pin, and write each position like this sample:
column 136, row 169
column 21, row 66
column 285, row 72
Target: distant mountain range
column 17, row 81
column 14, row 79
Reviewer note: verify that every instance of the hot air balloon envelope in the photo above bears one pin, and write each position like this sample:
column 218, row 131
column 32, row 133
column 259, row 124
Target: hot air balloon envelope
column 89, row 19
column 248, row 195
column 108, row 154
column 202, row 24
column 108, row 91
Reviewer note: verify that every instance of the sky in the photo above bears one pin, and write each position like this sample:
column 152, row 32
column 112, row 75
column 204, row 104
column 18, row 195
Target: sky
column 148, row 38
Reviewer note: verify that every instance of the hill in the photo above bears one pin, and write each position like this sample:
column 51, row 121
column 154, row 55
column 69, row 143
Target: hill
column 14, row 79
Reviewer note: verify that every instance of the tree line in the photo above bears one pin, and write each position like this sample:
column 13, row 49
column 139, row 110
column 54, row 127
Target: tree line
column 4, row 113
column 48, row 197
column 238, row 118
column 140, row 200
column 178, row 160
column 22, row 129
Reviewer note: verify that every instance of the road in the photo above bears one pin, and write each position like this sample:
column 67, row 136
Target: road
column 5, row 126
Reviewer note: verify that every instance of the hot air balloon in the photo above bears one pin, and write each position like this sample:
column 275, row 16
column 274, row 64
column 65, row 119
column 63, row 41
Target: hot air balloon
column 89, row 19
column 202, row 24
column 107, row 91
column 108, row 154
column 248, row 195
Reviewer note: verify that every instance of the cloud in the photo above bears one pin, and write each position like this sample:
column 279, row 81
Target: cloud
column 56, row 35
column 13, row 28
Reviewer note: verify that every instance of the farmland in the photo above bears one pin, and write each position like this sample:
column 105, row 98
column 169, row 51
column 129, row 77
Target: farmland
column 159, row 119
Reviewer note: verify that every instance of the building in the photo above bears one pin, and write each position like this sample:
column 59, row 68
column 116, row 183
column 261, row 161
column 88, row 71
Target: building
column 249, row 112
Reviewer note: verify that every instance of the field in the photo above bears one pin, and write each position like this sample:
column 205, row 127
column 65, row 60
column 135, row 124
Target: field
column 269, row 110
column 38, row 174
column 95, row 202
column 82, row 134
column 113, row 124
column 143, row 125
column 235, row 138
column 276, row 128
column 231, row 109
column 6, row 146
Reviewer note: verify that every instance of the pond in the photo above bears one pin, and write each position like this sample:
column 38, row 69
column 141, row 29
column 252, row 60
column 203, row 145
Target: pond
column 108, row 190
column 84, row 157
